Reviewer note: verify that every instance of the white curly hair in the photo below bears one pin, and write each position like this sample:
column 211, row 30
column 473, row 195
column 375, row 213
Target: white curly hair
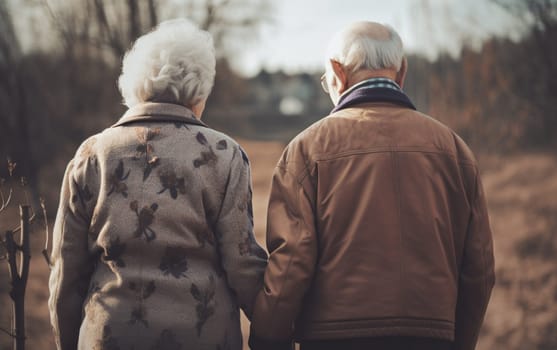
column 174, row 63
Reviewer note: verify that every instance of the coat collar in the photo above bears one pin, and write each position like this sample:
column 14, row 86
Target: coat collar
column 374, row 90
column 159, row 112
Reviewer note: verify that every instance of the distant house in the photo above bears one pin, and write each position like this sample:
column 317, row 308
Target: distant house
column 270, row 105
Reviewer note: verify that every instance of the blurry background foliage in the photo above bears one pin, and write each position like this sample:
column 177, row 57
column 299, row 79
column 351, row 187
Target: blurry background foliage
column 500, row 97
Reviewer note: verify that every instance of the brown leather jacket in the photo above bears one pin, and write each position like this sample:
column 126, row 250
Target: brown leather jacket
column 377, row 226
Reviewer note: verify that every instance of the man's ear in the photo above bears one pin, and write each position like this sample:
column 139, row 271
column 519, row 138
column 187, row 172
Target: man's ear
column 341, row 79
column 401, row 74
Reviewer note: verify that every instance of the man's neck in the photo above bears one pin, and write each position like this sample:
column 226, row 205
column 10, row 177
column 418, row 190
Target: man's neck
column 363, row 75
column 363, row 82
column 374, row 89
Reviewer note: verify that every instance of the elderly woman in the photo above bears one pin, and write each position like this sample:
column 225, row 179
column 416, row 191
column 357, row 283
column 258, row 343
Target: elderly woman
column 153, row 241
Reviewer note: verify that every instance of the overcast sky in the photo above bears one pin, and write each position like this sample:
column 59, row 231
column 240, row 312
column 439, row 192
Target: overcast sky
column 298, row 35
column 298, row 38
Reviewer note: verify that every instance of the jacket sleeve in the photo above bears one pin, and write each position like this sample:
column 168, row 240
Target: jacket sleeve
column 71, row 264
column 292, row 244
column 243, row 260
column 477, row 275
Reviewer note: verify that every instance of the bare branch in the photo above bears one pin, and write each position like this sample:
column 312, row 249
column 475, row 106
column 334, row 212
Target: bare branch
column 56, row 19
column 19, row 275
column 7, row 201
column 31, row 219
column 11, row 248
column 7, row 332
column 3, row 250
column 135, row 25
column 25, row 249
column 46, row 233
column 153, row 16
column 209, row 15
column 10, row 45
column 111, row 35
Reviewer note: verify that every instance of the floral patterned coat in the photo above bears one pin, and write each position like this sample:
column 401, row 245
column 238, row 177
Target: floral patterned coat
column 153, row 241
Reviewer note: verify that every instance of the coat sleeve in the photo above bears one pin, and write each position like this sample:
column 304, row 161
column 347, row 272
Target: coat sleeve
column 292, row 244
column 71, row 264
column 477, row 275
column 243, row 260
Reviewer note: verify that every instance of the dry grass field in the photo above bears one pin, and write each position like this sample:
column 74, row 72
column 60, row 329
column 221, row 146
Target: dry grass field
column 522, row 194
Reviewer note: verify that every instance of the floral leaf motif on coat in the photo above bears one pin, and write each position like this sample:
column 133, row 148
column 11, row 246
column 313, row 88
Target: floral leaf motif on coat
column 246, row 203
column 205, row 303
column 108, row 342
column 117, row 180
column 142, row 292
column 171, row 182
column 82, row 194
column 174, row 262
column 201, row 139
column 114, row 252
column 138, row 316
column 245, row 246
column 145, row 218
column 249, row 246
column 167, row 341
column 179, row 125
column 222, row 145
column 208, row 156
column 205, row 237
column 145, row 150
column 87, row 153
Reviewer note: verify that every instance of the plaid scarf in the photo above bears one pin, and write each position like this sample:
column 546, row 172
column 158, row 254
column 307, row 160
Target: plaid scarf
column 374, row 90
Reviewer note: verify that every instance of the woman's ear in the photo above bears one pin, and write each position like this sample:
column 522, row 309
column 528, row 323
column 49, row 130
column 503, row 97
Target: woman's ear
column 401, row 74
column 198, row 108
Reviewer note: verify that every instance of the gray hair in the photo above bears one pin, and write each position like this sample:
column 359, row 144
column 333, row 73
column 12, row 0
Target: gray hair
column 356, row 49
column 174, row 63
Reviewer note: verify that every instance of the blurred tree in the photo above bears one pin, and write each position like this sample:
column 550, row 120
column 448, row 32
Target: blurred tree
column 116, row 24
column 15, row 140
column 50, row 100
column 538, row 58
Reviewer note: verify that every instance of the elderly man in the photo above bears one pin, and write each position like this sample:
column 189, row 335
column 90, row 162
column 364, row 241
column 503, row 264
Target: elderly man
column 378, row 231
